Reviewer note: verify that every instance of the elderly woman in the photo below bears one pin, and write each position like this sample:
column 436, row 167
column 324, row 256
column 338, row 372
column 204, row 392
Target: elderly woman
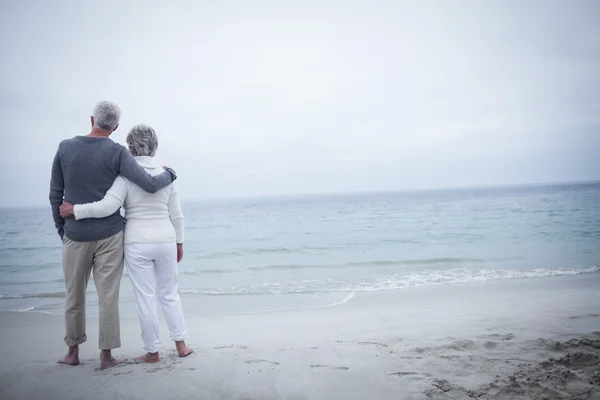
column 153, row 243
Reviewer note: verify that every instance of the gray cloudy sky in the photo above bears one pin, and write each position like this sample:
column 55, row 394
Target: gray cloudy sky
column 280, row 97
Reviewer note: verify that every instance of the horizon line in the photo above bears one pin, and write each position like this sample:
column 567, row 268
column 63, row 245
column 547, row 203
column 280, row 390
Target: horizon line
column 407, row 190
column 358, row 192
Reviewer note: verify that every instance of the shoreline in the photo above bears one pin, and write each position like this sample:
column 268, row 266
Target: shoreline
column 302, row 301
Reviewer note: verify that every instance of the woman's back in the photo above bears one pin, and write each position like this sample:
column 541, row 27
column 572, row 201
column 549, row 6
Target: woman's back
column 149, row 215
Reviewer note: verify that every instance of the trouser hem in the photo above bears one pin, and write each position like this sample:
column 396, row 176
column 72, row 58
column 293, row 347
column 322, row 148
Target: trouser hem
column 179, row 338
column 115, row 344
column 75, row 342
column 151, row 349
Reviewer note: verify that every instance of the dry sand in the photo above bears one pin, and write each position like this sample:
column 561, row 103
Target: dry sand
column 528, row 339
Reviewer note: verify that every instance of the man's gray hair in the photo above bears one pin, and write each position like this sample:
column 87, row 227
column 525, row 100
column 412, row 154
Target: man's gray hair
column 142, row 140
column 106, row 116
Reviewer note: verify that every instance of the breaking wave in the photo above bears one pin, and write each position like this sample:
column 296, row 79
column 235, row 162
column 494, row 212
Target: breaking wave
column 376, row 263
column 390, row 281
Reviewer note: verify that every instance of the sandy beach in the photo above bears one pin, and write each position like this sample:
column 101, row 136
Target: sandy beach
column 533, row 338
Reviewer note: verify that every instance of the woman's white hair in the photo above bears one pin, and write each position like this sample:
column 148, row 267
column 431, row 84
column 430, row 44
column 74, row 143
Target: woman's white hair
column 106, row 116
column 142, row 141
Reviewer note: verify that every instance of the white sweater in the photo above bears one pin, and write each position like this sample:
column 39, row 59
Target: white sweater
column 151, row 218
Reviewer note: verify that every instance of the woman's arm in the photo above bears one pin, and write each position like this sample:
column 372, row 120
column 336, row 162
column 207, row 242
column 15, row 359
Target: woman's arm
column 112, row 201
column 176, row 214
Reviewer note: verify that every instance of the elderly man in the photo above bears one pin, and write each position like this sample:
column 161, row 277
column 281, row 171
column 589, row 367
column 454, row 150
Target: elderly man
column 84, row 168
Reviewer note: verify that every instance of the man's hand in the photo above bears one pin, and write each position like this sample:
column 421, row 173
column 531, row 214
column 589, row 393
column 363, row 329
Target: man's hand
column 179, row 252
column 171, row 171
column 66, row 210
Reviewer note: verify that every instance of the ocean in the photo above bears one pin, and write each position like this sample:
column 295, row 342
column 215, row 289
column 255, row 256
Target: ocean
column 274, row 253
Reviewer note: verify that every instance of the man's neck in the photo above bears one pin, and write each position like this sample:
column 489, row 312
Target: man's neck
column 100, row 133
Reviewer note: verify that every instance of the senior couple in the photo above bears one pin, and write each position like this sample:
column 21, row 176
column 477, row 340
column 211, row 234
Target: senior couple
column 92, row 178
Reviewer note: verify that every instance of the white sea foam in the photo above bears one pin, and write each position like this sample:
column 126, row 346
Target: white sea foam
column 26, row 309
column 390, row 281
column 33, row 295
column 363, row 284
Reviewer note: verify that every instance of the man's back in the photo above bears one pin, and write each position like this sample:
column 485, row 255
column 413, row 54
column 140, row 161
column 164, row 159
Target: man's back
column 89, row 166
column 84, row 169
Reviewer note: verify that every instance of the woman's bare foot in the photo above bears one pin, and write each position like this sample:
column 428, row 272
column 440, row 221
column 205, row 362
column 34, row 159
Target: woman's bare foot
column 149, row 358
column 107, row 360
column 182, row 349
column 72, row 357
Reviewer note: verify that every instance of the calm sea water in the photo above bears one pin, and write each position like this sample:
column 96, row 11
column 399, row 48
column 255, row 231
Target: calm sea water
column 256, row 254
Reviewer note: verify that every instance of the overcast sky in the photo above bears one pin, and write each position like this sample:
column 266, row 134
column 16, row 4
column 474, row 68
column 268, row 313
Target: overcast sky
column 282, row 97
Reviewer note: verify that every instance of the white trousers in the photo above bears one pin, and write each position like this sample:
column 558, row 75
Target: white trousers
column 152, row 269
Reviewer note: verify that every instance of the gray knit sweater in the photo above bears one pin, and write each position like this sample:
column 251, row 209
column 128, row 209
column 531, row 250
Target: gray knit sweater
column 84, row 169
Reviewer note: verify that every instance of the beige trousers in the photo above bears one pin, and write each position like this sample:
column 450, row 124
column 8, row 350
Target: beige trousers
column 105, row 259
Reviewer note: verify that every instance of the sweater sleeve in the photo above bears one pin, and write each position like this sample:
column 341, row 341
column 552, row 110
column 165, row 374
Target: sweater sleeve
column 112, row 201
column 57, row 191
column 130, row 169
column 176, row 214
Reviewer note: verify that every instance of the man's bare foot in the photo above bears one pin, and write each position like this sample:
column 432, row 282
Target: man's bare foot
column 149, row 358
column 72, row 357
column 107, row 360
column 182, row 349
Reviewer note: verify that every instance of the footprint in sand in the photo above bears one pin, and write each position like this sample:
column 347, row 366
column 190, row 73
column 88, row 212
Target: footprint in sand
column 123, row 373
column 230, row 347
column 421, row 350
column 584, row 316
column 497, row 336
column 489, row 345
column 450, row 358
column 373, row 344
column 408, row 373
column 331, row 368
column 261, row 361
